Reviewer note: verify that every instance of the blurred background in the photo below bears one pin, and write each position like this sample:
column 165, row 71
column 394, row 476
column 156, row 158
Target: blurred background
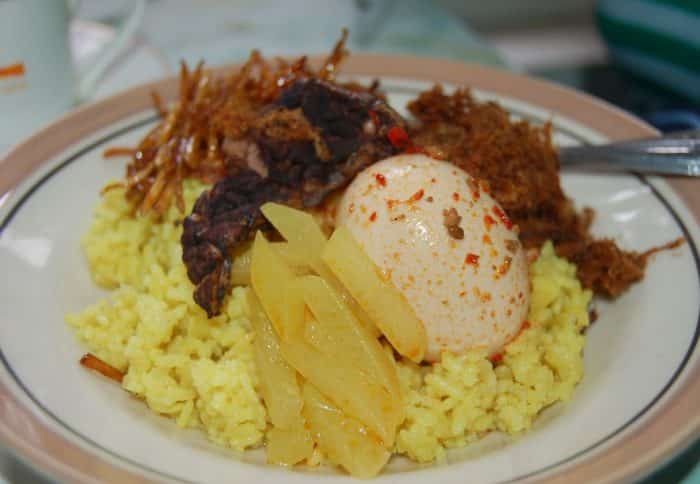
column 641, row 55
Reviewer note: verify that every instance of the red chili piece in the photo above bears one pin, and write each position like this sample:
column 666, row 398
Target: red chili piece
column 416, row 196
column 503, row 217
column 398, row 137
column 373, row 217
column 472, row 259
column 381, row 179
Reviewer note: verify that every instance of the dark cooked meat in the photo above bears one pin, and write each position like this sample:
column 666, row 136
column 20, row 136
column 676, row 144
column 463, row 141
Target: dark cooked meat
column 521, row 169
column 222, row 218
column 312, row 140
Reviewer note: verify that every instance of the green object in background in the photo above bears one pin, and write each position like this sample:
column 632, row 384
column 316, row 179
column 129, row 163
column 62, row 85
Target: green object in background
column 656, row 39
column 683, row 469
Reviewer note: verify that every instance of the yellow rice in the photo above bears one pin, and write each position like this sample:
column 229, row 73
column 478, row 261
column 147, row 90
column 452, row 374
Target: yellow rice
column 200, row 371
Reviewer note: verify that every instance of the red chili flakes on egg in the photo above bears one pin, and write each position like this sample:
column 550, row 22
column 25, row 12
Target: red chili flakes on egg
column 472, row 259
column 487, row 239
column 489, row 221
column 416, row 196
column 373, row 217
column 496, row 358
column 474, row 187
column 381, row 179
column 391, row 203
column 455, row 197
column 502, row 217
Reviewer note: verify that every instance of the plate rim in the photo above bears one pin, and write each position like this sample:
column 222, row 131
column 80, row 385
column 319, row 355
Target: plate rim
column 29, row 155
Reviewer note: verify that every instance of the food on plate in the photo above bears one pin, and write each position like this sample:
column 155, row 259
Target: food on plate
column 288, row 441
column 211, row 109
column 94, row 363
column 323, row 340
column 344, row 439
column 388, row 308
column 185, row 366
column 470, row 289
column 201, row 371
column 520, row 166
column 312, row 140
column 294, row 265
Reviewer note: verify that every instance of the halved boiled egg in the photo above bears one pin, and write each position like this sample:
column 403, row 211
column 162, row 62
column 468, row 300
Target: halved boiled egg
column 447, row 245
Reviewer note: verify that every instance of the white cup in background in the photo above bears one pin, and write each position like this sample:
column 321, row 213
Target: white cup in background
column 37, row 78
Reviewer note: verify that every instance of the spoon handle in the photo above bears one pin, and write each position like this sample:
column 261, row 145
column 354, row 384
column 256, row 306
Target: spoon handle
column 672, row 154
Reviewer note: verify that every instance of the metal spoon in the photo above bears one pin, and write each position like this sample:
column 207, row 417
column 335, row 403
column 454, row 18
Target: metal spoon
column 672, row 154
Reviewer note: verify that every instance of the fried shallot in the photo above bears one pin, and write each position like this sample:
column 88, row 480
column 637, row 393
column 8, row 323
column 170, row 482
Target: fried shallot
column 100, row 366
column 211, row 110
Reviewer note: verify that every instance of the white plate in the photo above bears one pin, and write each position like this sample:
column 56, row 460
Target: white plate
column 640, row 358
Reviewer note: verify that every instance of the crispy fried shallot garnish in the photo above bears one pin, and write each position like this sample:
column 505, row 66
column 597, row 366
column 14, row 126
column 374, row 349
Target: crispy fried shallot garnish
column 100, row 366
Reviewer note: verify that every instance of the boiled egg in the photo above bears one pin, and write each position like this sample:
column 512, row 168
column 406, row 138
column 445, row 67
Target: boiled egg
column 446, row 245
